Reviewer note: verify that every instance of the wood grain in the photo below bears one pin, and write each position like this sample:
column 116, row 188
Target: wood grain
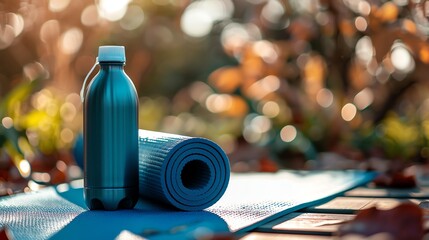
column 417, row 193
column 315, row 223
column 281, row 236
column 350, row 205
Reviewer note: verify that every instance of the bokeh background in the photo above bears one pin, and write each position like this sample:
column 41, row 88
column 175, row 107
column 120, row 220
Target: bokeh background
column 302, row 84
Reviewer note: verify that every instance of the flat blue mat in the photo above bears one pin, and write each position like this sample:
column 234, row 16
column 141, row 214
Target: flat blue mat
column 249, row 201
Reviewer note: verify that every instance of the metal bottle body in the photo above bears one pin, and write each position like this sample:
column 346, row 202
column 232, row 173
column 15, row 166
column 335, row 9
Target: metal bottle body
column 111, row 140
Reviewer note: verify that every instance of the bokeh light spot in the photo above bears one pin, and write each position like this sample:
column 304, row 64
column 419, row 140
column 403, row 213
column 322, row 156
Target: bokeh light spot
column 89, row 16
column 251, row 136
column 217, row 103
column 271, row 83
column 361, row 24
column 271, row 109
column 348, row 112
column 58, row 5
column 7, row 122
column 218, row 10
column 50, row 31
column 41, row 177
column 67, row 135
column 409, row 26
column 266, row 51
column 7, row 36
column 388, row 12
column 112, row 10
column 364, row 98
column 24, row 168
column 261, row 124
column 364, row 8
column 61, row 165
column 133, row 18
column 263, row 87
column 234, row 36
column 273, row 11
column 226, row 79
column 288, row 133
column 195, row 22
column 34, row 70
column 424, row 54
column 199, row 91
column 72, row 40
column 401, row 59
column 364, row 49
column 199, row 16
column 68, row 112
column 16, row 21
column 324, row 97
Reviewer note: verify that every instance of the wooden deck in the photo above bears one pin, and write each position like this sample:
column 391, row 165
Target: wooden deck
column 322, row 221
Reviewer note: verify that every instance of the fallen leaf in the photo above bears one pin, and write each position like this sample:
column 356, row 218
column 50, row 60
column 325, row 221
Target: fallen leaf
column 402, row 222
column 5, row 234
column 395, row 180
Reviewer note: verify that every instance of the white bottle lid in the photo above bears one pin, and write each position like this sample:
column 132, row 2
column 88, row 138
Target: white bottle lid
column 111, row 54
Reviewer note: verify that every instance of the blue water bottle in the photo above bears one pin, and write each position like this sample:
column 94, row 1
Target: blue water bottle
column 110, row 134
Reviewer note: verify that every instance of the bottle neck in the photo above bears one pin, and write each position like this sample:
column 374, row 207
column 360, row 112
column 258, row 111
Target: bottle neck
column 112, row 65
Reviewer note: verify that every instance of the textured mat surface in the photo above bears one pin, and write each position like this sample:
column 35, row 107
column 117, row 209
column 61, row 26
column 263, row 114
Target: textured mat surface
column 184, row 172
column 250, row 201
column 254, row 199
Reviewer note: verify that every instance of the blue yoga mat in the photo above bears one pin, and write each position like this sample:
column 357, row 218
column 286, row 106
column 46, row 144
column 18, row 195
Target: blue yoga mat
column 184, row 172
column 249, row 201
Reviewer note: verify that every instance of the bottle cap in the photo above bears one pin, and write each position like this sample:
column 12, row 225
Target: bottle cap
column 111, row 54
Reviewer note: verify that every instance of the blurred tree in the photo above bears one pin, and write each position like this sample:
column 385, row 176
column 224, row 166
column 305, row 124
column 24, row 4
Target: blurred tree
column 289, row 78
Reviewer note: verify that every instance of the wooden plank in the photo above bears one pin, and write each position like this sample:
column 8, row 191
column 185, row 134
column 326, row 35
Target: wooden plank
column 306, row 223
column 418, row 193
column 281, row 236
column 321, row 224
column 350, row 205
column 389, row 203
column 322, row 221
column 344, row 205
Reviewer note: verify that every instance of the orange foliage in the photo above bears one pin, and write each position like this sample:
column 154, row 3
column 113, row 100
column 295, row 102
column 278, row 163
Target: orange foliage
column 226, row 79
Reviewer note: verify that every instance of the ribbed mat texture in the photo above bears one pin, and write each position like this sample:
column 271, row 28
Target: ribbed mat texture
column 184, row 172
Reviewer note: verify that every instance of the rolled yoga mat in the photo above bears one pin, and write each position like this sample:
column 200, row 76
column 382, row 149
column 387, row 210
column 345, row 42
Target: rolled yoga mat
column 188, row 173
